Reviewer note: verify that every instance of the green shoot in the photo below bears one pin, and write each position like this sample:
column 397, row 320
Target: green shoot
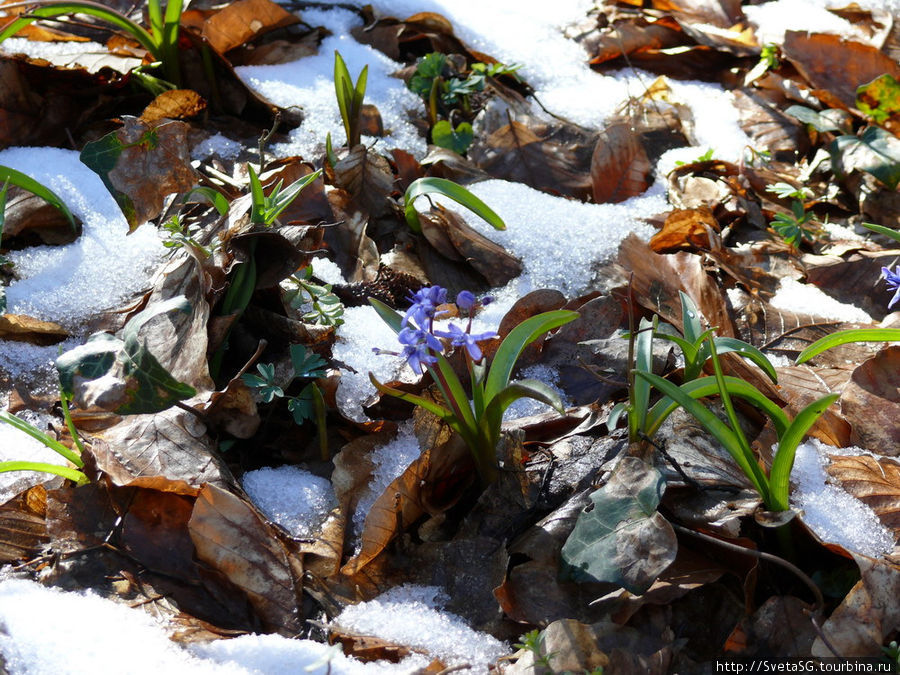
column 266, row 208
column 451, row 190
column 795, row 227
column 324, row 307
column 50, row 442
column 844, row 337
column 349, row 98
column 13, row 177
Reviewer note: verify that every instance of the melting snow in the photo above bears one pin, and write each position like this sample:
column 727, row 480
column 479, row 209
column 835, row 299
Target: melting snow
column 292, row 497
column 833, row 514
column 794, row 296
column 18, row 446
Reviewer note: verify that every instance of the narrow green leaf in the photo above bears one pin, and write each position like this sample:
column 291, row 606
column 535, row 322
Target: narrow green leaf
column 425, row 403
column 283, row 198
column 451, row 190
column 881, row 229
column 690, row 317
column 780, row 474
column 534, row 389
column 749, row 352
column 643, row 362
column 216, row 198
column 40, row 436
column 390, row 316
column 8, row 175
column 41, row 467
column 454, row 390
column 712, row 424
column 512, row 346
column 818, row 121
column 258, row 197
column 615, row 414
column 709, row 386
column 847, row 336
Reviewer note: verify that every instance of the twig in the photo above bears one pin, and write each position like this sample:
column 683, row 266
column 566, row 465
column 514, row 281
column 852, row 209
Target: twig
column 265, row 138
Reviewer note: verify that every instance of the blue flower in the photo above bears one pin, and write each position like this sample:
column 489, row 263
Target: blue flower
column 418, row 357
column 892, row 279
column 460, row 338
column 465, row 300
column 424, row 305
column 412, row 337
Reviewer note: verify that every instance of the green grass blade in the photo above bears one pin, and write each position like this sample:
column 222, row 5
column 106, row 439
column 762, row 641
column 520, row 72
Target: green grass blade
column 534, row 389
column 780, row 474
column 41, row 467
column 155, row 17
column 690, row 317
column 687, row 348
column 847, row 336
column 425, row 403
column 749, row 352
column 881, row 229
column 643, row 362
column 18, row 178
column 258, row 198
column 709, row 386
column 290, row 193
column 512, row 346
column 454, row 390
column 216, row 198
column 343, row 91
column 67, row 416
column 39, row 435
column 48, row 10
column 169, row 39
column 390, row 316
column 451, row 190
column 712, row 424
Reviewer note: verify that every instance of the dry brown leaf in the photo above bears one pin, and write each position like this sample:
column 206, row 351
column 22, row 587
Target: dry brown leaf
column 233, row 410
column 685, row 228
column 832, row 64
column 21, row 328
column 233, row 539
column 244, row 20
column 871, row 403
column 23, row 531
column 869, row 613
column 873, row 481
column 763, row 120
column 632, row 35
column 154, row 531
column 799, row 386
column 29, row 220
column 175, row 104
column 620, row 167
column 367, row 177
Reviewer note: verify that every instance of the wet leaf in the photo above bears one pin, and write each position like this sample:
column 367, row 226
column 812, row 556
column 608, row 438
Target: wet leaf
column 620, row 167
column 623, row 539
column 122, row 376
column 140, row 164
column 231, row 538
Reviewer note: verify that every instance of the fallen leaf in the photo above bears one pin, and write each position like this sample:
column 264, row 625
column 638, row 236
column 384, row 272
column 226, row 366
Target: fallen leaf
column 23, row 531
column 622, row 540
column 367, row 177
column 870, row 402
column 235, row 541
column 21, row 328
column 154, row 531
column 31, row 220
column 685, row 228
column 620, row 167
column 875, row 151
column 175, row 104
column 242, row 21
column 875, row 481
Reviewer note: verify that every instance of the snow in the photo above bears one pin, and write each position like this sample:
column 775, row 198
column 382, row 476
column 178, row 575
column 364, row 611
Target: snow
column 389, row 461
column 525, row 407
column 411, row 615
column 292, row 497
column 47, row 631
column 18, row 446
column 64, row 283
column 772, row 19
column 309, row 84
column 833, row 514
column 793, row 296
column 218, row 145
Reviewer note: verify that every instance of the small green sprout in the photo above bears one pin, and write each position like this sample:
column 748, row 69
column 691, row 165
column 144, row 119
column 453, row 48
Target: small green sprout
column 798, row 226
column 309, row 404
column 161, row 40
column 266, row 208
column 532, row 642
column 451, row 190
column 324, row 307
column 349, row 98
column 705, row 157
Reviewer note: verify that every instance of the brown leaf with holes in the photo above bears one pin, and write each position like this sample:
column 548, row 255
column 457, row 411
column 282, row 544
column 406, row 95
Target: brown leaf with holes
column 685, row 229
column 834, row 65
column 235, row 541
column 21, row 328
column 869, row 613
column 873, row 481
column 245, row 20
column 620, row 167
column 175, row 104
column 871, row 403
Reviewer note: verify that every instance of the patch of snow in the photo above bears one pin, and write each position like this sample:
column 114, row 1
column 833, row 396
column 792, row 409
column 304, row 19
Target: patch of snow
column 794, row 296
column 18, row 446
column 772, row 19
column 96, row 272
column 296, row 499
column 309, row 84
column 217, row 145
column 389, row 461
column 328, row 271
column 46, row 630
column 525, row 407
column 833, row 514
column 412, row 615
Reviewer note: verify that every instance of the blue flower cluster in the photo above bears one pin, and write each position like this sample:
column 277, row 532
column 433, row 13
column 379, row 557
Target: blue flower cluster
column 892, row 279
column 418, row 337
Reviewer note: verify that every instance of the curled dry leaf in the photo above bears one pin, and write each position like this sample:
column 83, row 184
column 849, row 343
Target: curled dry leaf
column 620, row 167
column 174, row 104
column 235, row 541
column 684, row 229
column 367, row 177
column 242, row 21
column 29, row 219
column 23, row 531
column 870, row 402
column 875, row 481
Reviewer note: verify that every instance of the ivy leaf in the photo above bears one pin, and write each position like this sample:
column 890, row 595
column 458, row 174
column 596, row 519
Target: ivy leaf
column 622, row 539
column 458, row 140
column 122, row 376
column 876, row 152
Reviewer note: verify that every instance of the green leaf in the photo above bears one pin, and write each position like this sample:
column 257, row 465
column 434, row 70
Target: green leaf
column 458, row 140
column 257, row 196
column 279, row 199
column 847, row 336
column 714, row 426
column 40, row 436
column 881, row 229
column 876, row 152
column 138, row 382
column 390, row 316
column 818, row 121
column 535, row 389
column 690, row 318
column 725, row 345
column 425, row 403
column 307, row 363
column 780, row 474
column 8, row 175
column 622, row 539
column 512, row 346
column 880, row 98
column 451, row 190
column 64, row 471
column 216, row 198
column 709, row 386
column 428, row 70
column 643, row 361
